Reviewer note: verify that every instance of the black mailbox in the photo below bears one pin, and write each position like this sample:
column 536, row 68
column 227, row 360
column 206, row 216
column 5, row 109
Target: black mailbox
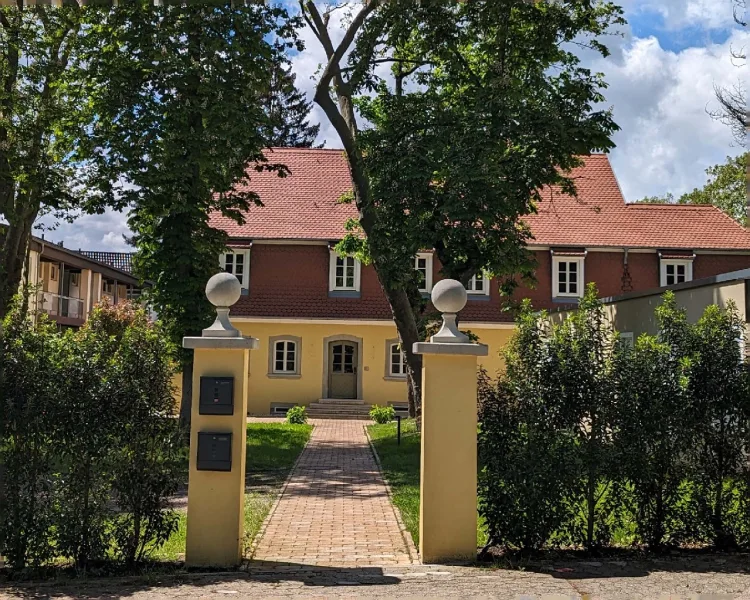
column 217, row 396
column 214, row 451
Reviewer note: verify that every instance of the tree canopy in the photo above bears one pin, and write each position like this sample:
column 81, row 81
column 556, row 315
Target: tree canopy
column 43, row 118
column 486, row 103
column 181, row 125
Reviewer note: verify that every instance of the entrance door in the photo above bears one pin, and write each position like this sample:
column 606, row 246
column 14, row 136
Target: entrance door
column 342, row 370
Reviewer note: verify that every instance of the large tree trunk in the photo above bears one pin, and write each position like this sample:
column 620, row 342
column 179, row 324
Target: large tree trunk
column 13, row 251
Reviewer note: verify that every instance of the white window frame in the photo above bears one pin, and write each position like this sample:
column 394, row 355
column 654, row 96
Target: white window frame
column 471, row 285
column 53, row 272
column 245, row 283
column 296, row 342
column 627, row 339
column 75, row 279
column 402, row 363
column 427, row 257
column 580, row 280
column 665, row 262
column 332, row 273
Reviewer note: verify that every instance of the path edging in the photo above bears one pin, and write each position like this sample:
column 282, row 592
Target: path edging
column 410, row 546
column 262, row 531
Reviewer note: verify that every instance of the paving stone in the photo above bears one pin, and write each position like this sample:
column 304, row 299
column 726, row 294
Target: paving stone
column 335, row 509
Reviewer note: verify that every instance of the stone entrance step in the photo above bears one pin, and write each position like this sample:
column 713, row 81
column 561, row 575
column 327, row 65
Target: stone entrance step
column 334, row 408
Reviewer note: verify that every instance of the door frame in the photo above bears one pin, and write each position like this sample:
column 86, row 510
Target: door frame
column 326, row 349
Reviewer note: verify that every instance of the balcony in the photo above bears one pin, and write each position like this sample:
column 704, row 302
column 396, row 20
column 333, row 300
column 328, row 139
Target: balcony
column 63, row 309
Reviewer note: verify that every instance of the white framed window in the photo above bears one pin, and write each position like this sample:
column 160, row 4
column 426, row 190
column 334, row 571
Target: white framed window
column 567, row 277
column 237, row 262
column 423, row 267
column 285, row 357
column 396, row 360
column 479, row 285
column 75, row 279
column 676, row 271
column 53, row 272
column 344, row 273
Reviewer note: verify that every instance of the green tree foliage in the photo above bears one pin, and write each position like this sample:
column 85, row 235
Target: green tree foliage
column 583, row 358
column 91, row 447
column 180, row 123
column 583, row 440
column 653, row 436
column 489, row 104
column 725, row 189
column 288, row 111
column 528, row 463
column 43, row 119
column 718, row 408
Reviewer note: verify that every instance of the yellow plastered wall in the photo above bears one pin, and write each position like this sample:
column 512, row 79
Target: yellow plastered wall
column 308, row 386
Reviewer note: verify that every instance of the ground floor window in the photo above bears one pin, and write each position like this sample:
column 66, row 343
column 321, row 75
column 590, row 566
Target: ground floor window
column 284, row 355
column 396, row 360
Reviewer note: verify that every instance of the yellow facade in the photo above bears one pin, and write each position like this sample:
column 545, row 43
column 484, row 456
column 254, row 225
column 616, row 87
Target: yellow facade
column 216, row 499
column 448, row 490
column 309, row 384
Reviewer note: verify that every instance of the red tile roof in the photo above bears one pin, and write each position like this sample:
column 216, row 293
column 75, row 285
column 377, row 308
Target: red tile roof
column 302, row 206
column 305, row 206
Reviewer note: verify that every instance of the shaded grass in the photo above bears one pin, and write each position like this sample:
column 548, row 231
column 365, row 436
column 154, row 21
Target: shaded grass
column 272, row 449
column 401, row 468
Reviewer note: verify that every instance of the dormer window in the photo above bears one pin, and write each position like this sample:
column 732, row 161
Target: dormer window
column 423, row 267
column 344, row 273
column 674, row 271
column 567, row 276
column 478, row 285
column 237, row 262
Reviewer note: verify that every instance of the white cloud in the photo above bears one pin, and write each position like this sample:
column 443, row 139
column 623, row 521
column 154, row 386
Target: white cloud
column 678, row 14
column 660, row 101
column 92, row 232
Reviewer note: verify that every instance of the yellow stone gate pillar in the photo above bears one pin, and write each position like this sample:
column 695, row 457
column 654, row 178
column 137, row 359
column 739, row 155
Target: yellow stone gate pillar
column 218, row 430
column 448, row 486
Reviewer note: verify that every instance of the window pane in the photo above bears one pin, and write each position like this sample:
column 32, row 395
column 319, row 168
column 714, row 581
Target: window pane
column 563, row 277
column 670, row 279
column 350, row 282
column 479, row 287
column 670, row 269
column 573, row 267
column 573, row 277
column 279, row 366
column 573, row 288
column 239, row 258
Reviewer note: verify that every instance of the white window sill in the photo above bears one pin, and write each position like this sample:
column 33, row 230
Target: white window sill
column 284, row 375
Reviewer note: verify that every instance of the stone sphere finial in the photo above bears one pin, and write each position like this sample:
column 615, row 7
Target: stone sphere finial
column 449, row 296
column 223, row 290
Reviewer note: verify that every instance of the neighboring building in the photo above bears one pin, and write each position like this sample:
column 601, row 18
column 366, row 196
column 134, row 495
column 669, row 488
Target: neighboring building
column 634, row 313
column 69, row 283
column 325, row 326
column 122, row 261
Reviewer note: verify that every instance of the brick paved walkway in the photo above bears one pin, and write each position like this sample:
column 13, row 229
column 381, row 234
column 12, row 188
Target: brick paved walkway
column 335, row 510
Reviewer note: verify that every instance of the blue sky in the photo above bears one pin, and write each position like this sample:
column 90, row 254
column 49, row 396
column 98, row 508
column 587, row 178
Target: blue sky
column 661, row 76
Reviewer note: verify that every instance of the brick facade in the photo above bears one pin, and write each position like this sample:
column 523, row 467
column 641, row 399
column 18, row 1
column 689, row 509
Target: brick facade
column 291, row 281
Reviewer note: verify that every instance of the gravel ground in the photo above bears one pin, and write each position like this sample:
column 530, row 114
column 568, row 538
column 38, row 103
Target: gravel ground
column 706, row 577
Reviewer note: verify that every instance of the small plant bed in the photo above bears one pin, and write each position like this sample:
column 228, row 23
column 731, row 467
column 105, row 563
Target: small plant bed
column 400, row 465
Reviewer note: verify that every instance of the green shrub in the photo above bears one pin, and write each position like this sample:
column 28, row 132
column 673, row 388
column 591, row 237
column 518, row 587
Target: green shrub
column 297, row 415
column 382, row 414
column 90, row 448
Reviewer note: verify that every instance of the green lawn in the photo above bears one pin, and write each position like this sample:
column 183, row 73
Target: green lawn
column 401, row 469
column 272, row 450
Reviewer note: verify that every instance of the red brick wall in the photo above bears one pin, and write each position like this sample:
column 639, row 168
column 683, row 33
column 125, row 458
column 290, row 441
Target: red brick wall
column 292, row 281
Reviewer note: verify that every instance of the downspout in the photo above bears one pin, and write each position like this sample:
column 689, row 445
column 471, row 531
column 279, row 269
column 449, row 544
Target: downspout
column 627, row 280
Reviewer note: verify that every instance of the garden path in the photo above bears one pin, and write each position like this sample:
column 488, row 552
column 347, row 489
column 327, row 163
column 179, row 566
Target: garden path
column 335, row 509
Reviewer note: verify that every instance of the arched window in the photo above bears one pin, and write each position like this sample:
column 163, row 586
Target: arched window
column 284, row 355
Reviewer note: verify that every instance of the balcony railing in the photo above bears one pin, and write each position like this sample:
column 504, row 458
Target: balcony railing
column 56, row 305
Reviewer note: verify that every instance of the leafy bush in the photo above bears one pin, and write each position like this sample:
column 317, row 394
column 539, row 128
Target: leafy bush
column 297, row 415
column 382, row 414
column 89, row 443
column 583, row 441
